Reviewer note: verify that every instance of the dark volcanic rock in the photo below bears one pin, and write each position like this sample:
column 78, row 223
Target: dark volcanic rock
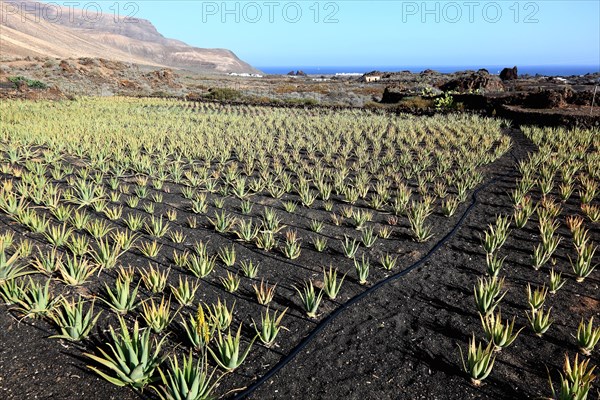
column 509, row 74
column 526, row 116
column 585, row 98
column 291, row 73
column 549, row 98
column 300, row 73
column 393, row 94
column 479, row 80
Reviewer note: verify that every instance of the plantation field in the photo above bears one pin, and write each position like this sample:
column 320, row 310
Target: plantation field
column 149, row 242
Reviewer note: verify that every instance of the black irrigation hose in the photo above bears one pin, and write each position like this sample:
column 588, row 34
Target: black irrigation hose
column 327, row 320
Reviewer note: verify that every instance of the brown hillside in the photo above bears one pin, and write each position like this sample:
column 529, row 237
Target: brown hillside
column 36, row 29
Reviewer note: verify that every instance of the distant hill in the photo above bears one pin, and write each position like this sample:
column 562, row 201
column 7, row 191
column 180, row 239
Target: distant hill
column 29, row 28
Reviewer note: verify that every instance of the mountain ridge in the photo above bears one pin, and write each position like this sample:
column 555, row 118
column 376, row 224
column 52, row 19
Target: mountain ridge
column 31, row 28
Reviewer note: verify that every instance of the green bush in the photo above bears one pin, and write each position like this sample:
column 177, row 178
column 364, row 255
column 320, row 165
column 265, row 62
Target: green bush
column 445, row 102
column 223, row 94
column 32, row 83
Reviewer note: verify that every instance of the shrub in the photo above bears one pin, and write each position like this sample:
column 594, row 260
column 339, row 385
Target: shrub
column 446, row 102
column 416, row 102
column 32, row 83
column 223, row 94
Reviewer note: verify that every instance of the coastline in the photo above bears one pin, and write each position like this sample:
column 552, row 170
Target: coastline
column 544, row 70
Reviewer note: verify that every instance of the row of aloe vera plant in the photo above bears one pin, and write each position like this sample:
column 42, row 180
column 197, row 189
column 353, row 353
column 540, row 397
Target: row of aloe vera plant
column 569, row 153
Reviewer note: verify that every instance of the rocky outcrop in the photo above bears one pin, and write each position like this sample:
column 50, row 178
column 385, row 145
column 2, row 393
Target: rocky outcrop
column 480, row 80
column 509, row 74
column 392, row 94
column 297, row 73
column 162, row 77
column 585, row 98
column 549, row 98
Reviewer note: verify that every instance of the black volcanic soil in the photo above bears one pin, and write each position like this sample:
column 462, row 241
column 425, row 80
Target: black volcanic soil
column 400, row 342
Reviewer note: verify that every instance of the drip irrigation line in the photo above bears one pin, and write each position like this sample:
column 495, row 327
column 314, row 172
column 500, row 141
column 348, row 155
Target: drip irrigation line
column 331, row 317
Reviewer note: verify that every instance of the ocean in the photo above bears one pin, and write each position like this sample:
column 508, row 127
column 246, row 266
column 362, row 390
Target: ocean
column 548, row 70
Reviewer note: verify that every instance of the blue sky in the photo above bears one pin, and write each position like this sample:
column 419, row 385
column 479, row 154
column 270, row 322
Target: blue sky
column 408, row 33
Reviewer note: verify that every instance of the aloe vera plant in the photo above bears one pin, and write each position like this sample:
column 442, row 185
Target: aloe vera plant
column 310, row 299
column 149, row 249
column 246, row 230
column 587, row 336
column 222, row 222
column 187, row 382
column 131, row 358
column 350, row 247
column 487, row 294
column 450, row 205
column 157, row 315
column 8, row 267
column 37, row 301
column 231, row 282
column 122, row 298
column 496, row 235
column 556, row 281
column 479, row 362
column 388, row 262
column 575, row 380
column 540, row 321
column 198, row 329
column 185, row 292
column 154, row 280
column 227, row 255
column 270, row 327
column 12, row 291
column 536, row 297
column 220, row 315
column 200, row 265
column 291, row 247
column 331, row 284
column 74, row 323
column 228, row 354
column 319, row 243
column 583, row 266
column 249, row 269
column 368, row 237
column 501, row 335
column 362, row 268
column 264, row 292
